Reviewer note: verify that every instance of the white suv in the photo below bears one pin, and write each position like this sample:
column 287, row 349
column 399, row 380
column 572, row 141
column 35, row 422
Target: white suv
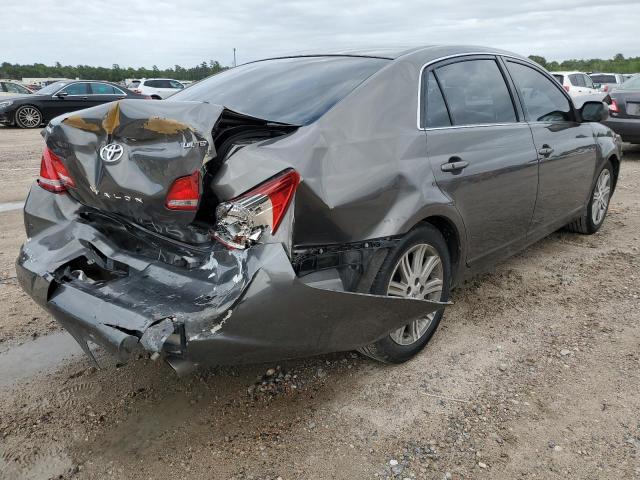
column 158, row 88
column 575, row 83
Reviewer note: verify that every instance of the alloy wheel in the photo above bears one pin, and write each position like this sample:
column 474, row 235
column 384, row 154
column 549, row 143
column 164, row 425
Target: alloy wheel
column 601, row 194
column 29, row 117
column 418, row 274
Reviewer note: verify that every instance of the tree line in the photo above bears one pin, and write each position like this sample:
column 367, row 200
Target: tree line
column 617, row 64
column 115, row 73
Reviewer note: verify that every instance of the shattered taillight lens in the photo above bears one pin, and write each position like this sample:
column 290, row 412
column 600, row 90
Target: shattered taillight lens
column 241, row 221
column 184, row 194
column 54, row 176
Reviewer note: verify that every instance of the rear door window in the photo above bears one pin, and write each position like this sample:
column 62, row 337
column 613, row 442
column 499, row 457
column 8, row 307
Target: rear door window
column 435, row 114
column 542, row 98
column 476, row 92
column 105, row 89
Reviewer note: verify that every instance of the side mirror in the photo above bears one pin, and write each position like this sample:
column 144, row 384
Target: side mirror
column 594, row 112
column 61, row 95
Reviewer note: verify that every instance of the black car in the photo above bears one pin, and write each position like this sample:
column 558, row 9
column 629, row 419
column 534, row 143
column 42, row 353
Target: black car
column 625, row 110
column 31, row 111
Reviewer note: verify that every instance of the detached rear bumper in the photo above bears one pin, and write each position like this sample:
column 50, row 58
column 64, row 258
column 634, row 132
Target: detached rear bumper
column 223, row 307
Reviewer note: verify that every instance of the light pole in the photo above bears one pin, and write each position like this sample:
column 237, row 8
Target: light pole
column 234, row 56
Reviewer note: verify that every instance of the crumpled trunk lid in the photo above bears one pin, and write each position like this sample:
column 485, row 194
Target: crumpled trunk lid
column 159, row 142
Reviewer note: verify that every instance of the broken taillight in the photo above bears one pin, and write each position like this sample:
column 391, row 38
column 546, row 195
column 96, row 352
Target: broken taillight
column 184, row 194
column 242, row 220
column 54, row 176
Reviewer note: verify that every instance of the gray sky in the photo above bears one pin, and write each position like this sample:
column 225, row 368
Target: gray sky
column 164, row 33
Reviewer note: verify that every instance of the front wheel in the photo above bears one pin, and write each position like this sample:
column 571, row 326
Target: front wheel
column 28, row 116
column 598, row 205
column 418, row 267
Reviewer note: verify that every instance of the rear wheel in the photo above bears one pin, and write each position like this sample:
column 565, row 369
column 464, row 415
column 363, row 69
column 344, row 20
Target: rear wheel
column 28, row 116
column 598, row 205
column 418, row 267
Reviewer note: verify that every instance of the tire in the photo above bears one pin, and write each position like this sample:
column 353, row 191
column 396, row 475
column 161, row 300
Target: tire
column 599, row 198
column 28, row 116
column 402, row 344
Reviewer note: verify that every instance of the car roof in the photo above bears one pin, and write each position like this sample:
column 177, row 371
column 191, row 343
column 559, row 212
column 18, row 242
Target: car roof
column 416, row 54
column 567, row 72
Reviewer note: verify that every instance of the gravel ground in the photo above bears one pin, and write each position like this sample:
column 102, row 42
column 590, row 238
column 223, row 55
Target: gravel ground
column 534, row 373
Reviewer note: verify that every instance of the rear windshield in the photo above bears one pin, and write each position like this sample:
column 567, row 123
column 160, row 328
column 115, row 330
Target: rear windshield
column 559, row 78
column 632, row 84
column 603, row 78
column 297, row 91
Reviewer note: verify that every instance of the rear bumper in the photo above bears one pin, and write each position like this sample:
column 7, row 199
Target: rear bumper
column 227, row 307
column 627, row 128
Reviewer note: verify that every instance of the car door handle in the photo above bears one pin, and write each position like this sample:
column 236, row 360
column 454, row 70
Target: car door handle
column 455, row 165
column 545, row 151
column 85, row 98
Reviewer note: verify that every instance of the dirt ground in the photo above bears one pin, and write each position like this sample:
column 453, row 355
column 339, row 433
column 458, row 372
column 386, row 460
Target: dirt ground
column 533, row 374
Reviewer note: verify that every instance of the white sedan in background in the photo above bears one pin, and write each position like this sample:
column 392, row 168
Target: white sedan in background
column 158, row 88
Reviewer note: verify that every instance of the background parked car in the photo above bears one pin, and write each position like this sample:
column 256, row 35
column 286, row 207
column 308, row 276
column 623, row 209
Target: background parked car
column 607, row 81
column 11, row 88
column 624, row 110
column 575, row 83
column 33, row 109
column 133, row 84
column 158, row 88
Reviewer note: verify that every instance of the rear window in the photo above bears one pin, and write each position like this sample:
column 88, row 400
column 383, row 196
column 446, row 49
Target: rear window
column 603, row 78
column 289, row 90
column 632, row 84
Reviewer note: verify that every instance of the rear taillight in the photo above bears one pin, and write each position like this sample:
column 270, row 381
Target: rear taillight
column 566, row 88
column 137, row 90
column 605, row 88
column 184, row 194
column 613, row 107
column 53, row 174
column 241, row 221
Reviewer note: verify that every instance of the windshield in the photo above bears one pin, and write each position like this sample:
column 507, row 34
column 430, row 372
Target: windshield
column 297, row 91
column 632, row 84
column 53, row 88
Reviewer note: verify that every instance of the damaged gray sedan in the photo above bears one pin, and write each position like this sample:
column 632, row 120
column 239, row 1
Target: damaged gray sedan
column 304, row 205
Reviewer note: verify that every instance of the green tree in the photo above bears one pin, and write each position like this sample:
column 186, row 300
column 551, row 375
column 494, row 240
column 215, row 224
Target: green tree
column 539, row 60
